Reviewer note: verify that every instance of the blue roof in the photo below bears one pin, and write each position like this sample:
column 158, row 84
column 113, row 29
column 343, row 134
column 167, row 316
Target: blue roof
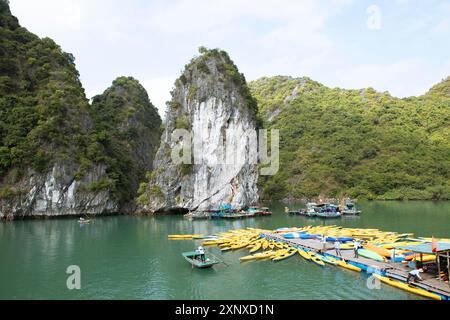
column 426, row 247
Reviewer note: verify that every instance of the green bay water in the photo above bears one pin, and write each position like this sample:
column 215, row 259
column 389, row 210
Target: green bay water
column 128, row 257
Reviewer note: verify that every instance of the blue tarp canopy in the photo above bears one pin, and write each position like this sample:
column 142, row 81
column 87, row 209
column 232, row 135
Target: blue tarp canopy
column 426, row 248
column 225, row 207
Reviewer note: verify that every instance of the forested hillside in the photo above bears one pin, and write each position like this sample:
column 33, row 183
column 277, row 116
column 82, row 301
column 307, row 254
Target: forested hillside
column 359, row 143
column 59, row 155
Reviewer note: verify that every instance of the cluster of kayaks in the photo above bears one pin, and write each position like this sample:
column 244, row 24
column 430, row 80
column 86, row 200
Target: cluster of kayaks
column 377, row 245
column 286, row 251
column 261, row 248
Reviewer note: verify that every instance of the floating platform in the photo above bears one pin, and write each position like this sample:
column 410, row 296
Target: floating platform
column 227, row 216
column 397, row 271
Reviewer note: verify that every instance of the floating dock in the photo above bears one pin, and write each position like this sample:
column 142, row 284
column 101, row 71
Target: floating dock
column 397, row 271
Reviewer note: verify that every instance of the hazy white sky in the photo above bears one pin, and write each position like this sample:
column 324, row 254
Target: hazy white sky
column 401, row 46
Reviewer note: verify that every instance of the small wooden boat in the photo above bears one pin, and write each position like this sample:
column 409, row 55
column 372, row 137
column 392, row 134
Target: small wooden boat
column 349, row 208
column 327, row 211
column 198, row 215
column 257, row 211
column 191, row 257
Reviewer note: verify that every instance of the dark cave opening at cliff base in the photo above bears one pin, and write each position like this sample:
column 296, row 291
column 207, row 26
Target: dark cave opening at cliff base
column 173, row 211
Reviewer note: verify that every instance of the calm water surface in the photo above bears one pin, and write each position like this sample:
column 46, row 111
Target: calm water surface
column 131, row 258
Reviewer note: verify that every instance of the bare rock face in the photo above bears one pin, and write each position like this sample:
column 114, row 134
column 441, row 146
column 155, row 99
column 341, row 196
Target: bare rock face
column 58, row 193
column 212, row 102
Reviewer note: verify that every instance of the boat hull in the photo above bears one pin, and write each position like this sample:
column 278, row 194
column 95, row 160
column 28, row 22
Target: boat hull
column 209, row 263
column 407, row 287
column 370, row 255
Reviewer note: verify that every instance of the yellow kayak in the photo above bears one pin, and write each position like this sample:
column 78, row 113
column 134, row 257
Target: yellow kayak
column 239, row 246
column 253, row 243
column 248, row 258
column 265, row 245
column 279, row 253
column 325, row 259
column 381, row 251
column 265, row 255
column 225, row 243
column 407, row 287
column 333, row 260
column 184, row 236
column 279, row 245
column 347, row 246
column 348, row 266
column 285, row 255
column 211, row 243
column 316, row 259
column 256, row 247
column 399, row 244
column 304, row 254
column 425, row 258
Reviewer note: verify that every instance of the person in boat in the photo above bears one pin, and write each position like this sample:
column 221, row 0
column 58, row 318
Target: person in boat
column 415, row 275
column 82, row 219
column 337, row 247
column 356, row 246
column 200, row 253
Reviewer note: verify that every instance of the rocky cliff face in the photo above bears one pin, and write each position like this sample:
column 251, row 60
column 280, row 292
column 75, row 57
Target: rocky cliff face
column 211, row 101
column 57, row 193
column 59, row 155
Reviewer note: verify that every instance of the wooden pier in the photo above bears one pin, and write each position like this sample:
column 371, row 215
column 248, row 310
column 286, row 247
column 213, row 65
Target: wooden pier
column 393, row 270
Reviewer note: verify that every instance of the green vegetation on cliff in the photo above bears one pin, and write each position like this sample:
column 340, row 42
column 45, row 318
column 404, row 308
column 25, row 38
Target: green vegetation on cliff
column 127, row 131
column 43, row 108
column 360, row 143
column 46, row 119
column 227, row 70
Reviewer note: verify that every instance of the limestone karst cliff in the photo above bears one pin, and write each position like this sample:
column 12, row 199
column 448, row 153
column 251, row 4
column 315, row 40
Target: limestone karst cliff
column 58, row 156
column 212, row 102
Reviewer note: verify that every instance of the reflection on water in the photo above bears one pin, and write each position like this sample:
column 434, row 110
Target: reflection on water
column 131, row 257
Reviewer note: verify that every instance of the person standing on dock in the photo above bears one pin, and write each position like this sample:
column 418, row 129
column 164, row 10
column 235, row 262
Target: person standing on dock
column 356, row 244
column 415, row 275
column 324, row 244
column 337, row 247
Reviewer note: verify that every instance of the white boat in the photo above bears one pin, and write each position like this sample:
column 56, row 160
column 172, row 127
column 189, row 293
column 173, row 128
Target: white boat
column 350, row 208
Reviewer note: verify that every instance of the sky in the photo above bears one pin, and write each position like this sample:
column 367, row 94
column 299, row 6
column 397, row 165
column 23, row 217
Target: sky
column 400, row 46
